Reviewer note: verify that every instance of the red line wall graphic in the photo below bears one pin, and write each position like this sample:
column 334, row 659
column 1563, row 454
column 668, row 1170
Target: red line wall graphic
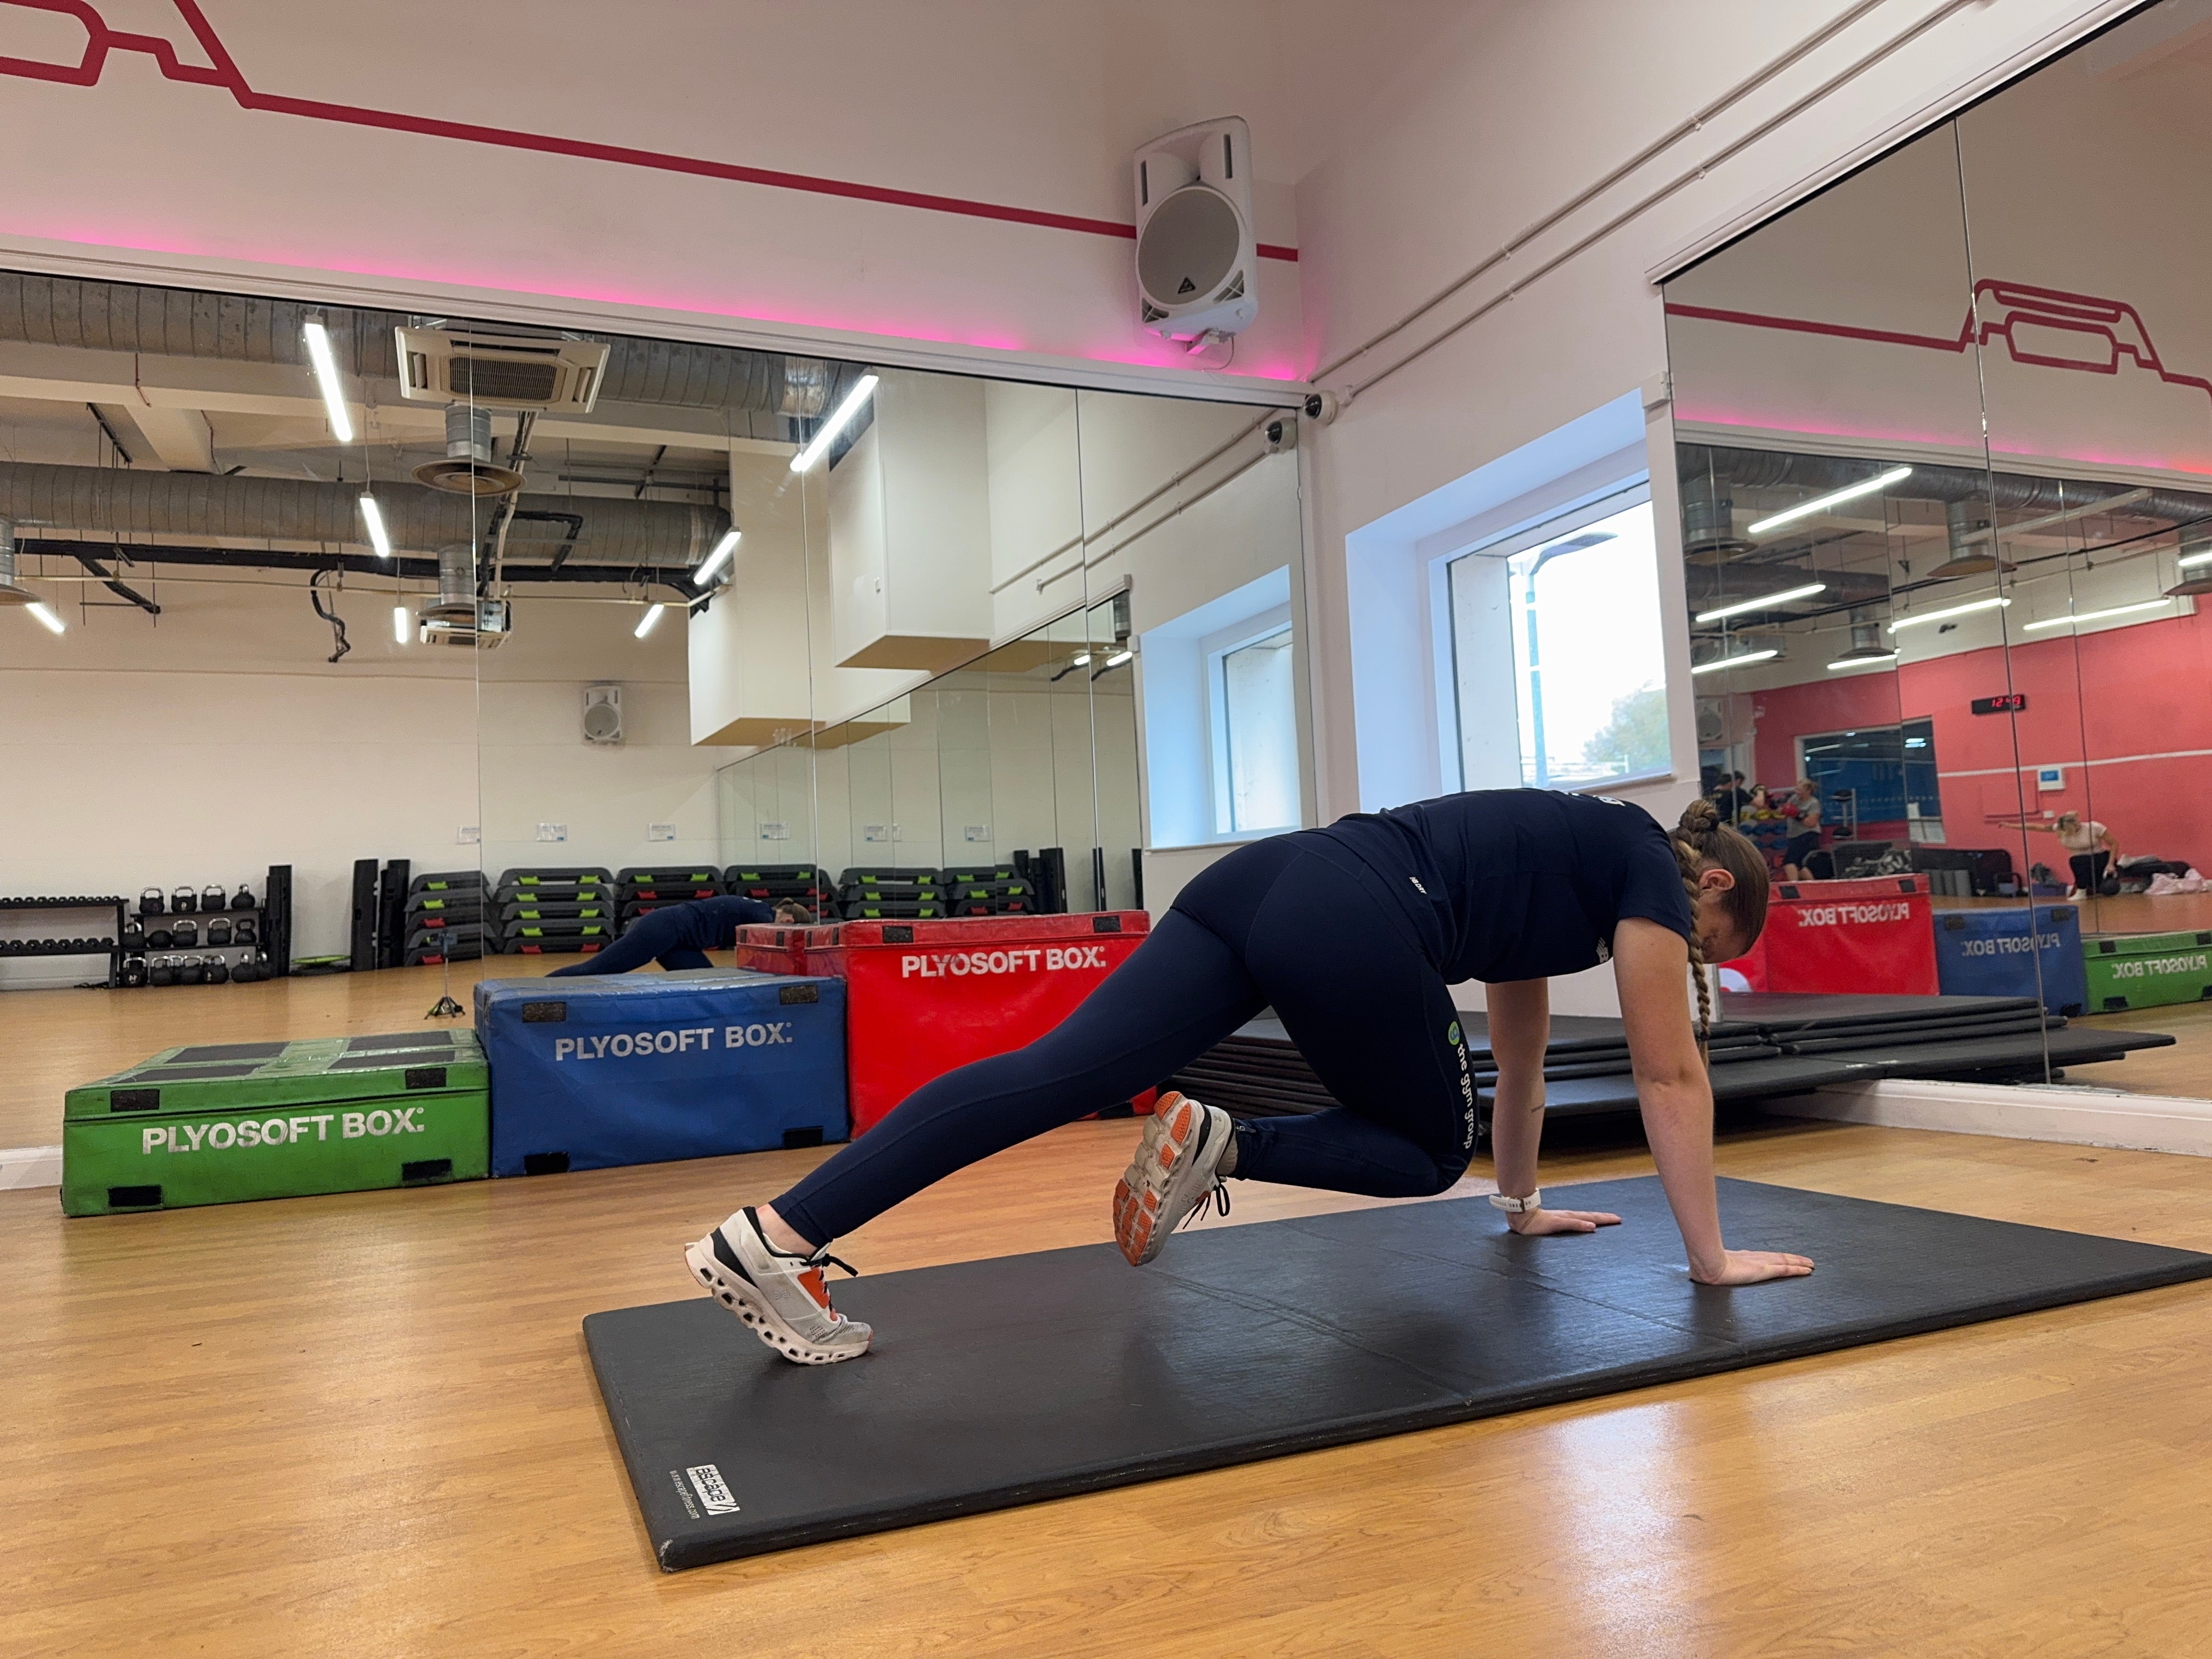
column 100, row 41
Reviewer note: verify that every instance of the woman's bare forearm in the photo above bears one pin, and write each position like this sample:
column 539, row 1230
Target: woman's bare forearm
column 1520, row 1015
column 1678, row 1121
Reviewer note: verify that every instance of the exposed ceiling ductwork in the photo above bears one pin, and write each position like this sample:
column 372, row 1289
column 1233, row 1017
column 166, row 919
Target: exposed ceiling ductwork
column 97, row 316
column 203, row 507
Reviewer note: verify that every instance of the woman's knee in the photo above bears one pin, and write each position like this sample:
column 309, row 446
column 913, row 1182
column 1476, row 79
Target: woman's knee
column 1448, row 1168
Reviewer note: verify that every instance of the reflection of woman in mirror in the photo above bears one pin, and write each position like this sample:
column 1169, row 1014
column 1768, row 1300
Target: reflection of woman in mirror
column 2091, row 847
column 1507, row 887
column 1802, row 808
column 678, row 936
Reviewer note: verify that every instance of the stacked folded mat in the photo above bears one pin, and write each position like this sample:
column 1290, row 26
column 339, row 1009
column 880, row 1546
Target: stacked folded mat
column 639, row 892
column 805, row 883
column 445, row 917
column 1766, row 1046
column 554, row 911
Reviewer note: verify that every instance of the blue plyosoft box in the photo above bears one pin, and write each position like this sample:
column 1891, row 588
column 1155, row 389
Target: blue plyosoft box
column 588, row 1072
column 1992, row 952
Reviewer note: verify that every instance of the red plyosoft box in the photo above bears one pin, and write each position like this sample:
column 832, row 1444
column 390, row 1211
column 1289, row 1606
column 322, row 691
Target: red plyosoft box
column 924, row 997
column 767, row 949
column 1875, row 936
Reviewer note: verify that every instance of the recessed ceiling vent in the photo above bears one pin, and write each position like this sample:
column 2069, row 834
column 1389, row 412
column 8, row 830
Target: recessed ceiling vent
column 499, row 371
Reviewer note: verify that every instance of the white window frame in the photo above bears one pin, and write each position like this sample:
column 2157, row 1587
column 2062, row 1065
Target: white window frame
column 1571, row 516
column 1213, row 649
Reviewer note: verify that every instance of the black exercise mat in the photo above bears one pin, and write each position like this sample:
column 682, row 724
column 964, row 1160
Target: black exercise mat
column 1007, row 1382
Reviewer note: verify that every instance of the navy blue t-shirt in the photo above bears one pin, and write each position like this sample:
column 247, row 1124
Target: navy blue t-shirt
column 1519, row 883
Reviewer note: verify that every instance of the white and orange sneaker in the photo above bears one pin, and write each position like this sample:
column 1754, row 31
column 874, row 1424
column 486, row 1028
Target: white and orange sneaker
column 1176, row 1169
column 781, row 1296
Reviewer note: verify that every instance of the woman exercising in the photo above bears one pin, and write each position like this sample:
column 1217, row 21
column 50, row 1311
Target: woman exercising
column 1507, row 886
column 678, row 936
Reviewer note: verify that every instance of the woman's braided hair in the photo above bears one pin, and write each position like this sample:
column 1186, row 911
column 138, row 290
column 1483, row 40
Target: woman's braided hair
column 1701, row 841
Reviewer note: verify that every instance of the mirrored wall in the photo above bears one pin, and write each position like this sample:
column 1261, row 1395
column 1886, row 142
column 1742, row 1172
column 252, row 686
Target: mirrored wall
column 485, row 631
column 1945, row 455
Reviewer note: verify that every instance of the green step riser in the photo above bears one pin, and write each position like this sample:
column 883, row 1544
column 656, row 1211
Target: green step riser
column 2118, row 982
column 341, row 1152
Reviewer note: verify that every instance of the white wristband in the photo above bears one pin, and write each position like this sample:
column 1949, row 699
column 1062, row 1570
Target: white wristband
column 1519, row 1206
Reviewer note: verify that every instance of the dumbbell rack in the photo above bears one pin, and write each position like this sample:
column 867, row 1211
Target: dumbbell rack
column 15, row 923
column 232, row 955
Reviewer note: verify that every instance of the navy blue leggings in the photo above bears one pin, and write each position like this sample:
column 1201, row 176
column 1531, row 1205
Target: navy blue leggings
column 1273, row 923
column 678, row 936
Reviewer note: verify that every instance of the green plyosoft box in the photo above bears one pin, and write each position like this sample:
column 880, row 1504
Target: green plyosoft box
column 2146, row 970
column 220, row 1122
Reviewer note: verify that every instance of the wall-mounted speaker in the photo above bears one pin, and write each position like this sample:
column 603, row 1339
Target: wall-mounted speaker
column 603, row 721
column 1197, row 252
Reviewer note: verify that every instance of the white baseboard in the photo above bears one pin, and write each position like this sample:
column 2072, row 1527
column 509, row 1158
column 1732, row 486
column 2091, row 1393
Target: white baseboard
column 2076, row 1116
column 30, row 1166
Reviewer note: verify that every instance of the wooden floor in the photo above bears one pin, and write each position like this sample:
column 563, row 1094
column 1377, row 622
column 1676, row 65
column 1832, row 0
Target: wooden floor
column 364, row 1426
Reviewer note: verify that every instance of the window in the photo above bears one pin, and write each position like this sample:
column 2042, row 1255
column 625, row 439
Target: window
column 1567, row 615
column 1258, row 738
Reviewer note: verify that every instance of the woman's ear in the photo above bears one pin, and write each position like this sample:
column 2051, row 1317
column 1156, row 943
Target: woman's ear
column 1716, row 880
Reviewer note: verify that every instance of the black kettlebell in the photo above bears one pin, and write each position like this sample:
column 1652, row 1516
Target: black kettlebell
column 2109, row 888
column 159, row 939
column 184, row 901
column 190, row 971
column 218, row 931
column 134, row 940
column 134, row 973
column 242, row 899
column 246, row 973
column 163, row 972
column 149, row 902
column 187, row 935
column 246, row 931
column 218, row 971
column 211, row 898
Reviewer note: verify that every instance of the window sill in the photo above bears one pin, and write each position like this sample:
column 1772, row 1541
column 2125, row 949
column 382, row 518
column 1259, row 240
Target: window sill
column 1605, row 786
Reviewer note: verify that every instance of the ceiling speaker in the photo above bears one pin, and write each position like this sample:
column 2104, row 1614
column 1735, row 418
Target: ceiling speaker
column 603, row 721
column 1196, row 249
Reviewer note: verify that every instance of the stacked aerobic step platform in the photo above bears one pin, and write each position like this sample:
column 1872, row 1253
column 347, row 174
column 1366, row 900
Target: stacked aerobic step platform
column 891, row 893
column 1767, row 1045
column 445, row 917
column 639, row 892
column 564, row 911
column 223, row 1121
column 2146, row 970
column 987, row 890
column 805, row 883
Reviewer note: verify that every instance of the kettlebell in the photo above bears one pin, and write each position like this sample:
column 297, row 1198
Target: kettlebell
column 134, row 940
column 242, row 899
column 134, row 973
column 218, row 931
column 2109, row 888
column 163, row 972
column 211, row 898
column 190, row 971
column 149, row 902
column 184, row 901
column 159, row 939
column 218, row 971
column 187, row 936
column 246, row 973
column 246, row 931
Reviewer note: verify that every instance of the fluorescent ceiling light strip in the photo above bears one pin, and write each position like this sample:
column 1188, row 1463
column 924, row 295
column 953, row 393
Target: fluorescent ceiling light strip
column 1734, row 662
column 372, row 516
column 2097, row 616
column 1763, row 601
column 326, row 376
column 1882, row 661
column 47, row 618
column 645, row 623
column 855, row 400
column 1833, row 498
column 1947, row 611
column 1083, row 661
column 2193, row 559
column 713, row 561
column 1118, row 657
column 399, row 624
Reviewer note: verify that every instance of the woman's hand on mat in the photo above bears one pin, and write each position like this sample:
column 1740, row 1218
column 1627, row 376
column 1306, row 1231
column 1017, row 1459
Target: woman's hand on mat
column 1534, row 1224
column 1753, row 1267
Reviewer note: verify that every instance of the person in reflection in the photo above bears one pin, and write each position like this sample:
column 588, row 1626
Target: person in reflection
column 1731, row 797
column 1506, row 886
column 678, row 936
column 1803, row 809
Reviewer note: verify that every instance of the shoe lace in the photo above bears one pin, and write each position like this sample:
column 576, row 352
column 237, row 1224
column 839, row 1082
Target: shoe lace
column 1216, row 1198
column 822, row 1258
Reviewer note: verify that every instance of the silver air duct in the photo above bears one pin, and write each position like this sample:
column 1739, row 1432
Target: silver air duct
column 1709, row 518
column 205, row 507
column 2196, row 543
column 1866, row 644
column 459, row 618
column 11, row 591
column 1967, row 533
column 467, row 468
